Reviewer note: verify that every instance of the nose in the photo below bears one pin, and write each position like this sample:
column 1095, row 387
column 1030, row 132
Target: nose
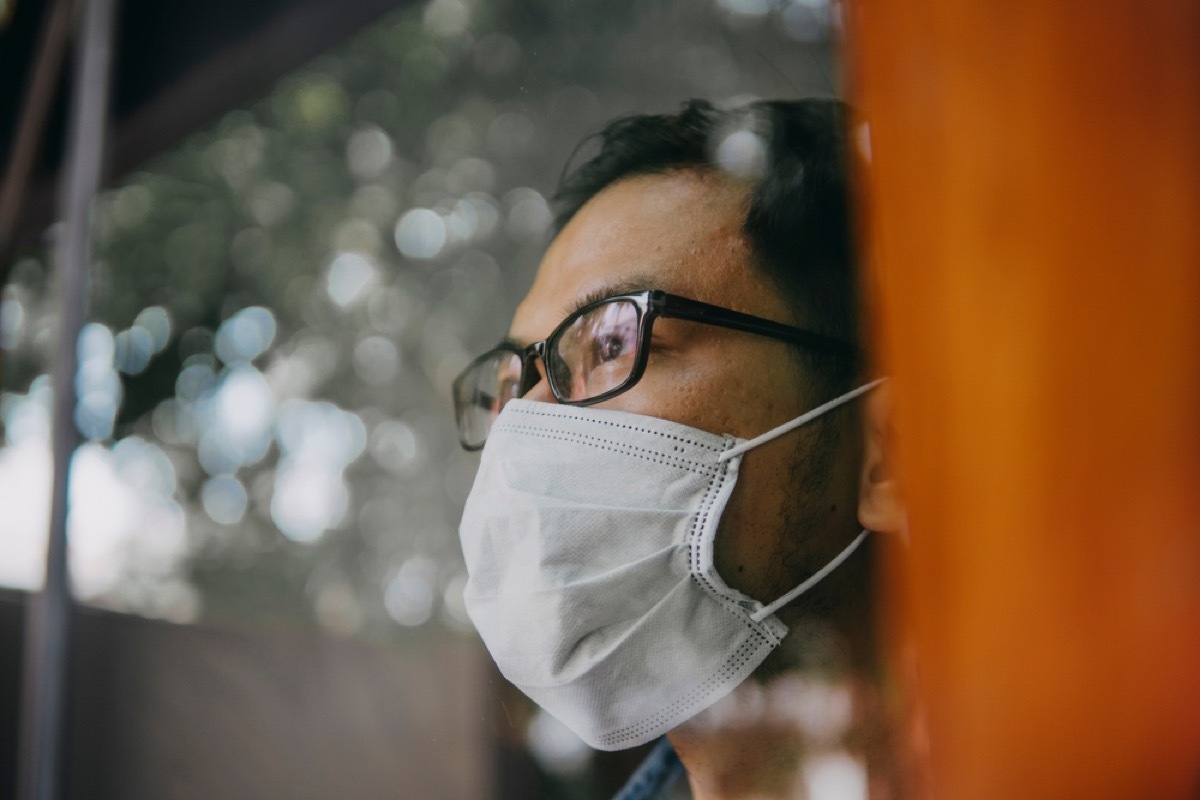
column 540, row 391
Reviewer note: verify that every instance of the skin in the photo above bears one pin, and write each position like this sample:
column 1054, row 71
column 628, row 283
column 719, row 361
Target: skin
column 799, row 500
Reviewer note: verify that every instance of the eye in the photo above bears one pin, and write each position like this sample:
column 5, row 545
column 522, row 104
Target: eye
column 613, row 332
column 612, row 341
column 610, row 346
column 594, row 351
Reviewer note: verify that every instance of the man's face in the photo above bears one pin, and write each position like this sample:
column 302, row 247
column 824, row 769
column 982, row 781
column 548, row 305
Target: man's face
column 796, row 496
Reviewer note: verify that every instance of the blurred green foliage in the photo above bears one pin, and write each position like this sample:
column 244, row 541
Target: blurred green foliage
column 387, row 205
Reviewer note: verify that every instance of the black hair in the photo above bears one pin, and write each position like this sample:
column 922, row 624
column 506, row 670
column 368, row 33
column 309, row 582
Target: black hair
column 798, row 221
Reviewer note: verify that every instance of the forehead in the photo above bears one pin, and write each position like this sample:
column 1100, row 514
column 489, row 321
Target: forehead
column 680, row 232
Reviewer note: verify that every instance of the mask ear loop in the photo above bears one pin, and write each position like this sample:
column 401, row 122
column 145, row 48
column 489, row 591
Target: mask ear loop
column 791, row 425
column 766, row 611
column 774, row 433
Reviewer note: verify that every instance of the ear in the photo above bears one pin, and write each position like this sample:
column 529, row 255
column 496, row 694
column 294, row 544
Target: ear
column 880, row 505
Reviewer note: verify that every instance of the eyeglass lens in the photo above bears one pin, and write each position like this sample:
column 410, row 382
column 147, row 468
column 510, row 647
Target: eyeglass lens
column 482, row 391
column 594, row 353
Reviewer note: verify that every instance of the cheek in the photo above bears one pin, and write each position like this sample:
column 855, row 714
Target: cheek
column 755, row 550
column 793, row 510
column 679, row 391
column 743, row 387
column 739, row 385
column 757, row 387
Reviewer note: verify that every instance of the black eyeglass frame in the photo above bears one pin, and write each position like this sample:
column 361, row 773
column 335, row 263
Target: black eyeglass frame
column 651, row 304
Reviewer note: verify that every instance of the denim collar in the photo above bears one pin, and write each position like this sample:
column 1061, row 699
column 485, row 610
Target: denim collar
column 653, row 779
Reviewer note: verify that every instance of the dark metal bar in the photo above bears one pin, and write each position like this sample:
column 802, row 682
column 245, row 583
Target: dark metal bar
column 43, row 80
column 48, row 629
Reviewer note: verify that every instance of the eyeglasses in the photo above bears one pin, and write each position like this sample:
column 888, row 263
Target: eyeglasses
column 596, row 353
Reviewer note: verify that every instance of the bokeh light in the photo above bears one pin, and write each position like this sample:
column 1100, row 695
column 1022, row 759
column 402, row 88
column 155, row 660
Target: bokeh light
column 281, row 302
column 421, row 233
column 350, row 277
column 409, row 595
column 557, row 749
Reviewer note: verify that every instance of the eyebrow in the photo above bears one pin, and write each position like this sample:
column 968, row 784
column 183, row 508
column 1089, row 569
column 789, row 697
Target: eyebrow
column 630, row 285
column 509, row 341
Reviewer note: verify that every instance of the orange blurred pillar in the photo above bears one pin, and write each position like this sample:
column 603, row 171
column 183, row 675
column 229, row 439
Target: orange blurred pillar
column 1034, row 215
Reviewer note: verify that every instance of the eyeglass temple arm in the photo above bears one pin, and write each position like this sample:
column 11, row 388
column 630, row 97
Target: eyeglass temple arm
column 684, row 308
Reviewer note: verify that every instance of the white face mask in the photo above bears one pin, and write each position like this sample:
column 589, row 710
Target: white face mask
column 588, row 538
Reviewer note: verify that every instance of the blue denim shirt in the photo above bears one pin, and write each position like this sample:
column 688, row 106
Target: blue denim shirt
column 654, row 778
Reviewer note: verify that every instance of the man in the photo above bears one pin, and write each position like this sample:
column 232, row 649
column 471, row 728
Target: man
column 682, row 445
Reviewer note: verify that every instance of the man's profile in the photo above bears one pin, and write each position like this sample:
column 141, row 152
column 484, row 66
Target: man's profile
column 682, row 454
